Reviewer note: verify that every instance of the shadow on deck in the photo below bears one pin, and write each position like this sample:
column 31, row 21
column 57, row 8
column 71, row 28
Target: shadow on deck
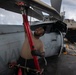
column 63, row 65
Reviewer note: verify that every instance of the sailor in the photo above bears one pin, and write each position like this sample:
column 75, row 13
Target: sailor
column 26, row 56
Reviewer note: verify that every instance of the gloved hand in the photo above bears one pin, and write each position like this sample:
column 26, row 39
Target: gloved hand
column 12, row 64
column 36, row 53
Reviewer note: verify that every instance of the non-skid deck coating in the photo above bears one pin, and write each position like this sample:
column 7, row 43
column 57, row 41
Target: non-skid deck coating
column 63, row 65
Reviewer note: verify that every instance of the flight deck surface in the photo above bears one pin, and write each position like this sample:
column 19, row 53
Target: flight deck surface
column 63, row 65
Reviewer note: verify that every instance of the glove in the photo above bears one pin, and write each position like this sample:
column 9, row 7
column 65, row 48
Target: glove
column 36, row 53
column 12, row 64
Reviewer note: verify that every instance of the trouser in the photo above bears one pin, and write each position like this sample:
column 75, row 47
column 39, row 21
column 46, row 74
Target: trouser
column 27, row 63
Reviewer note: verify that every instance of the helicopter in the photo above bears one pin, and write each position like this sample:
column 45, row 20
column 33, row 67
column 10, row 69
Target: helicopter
column 12, row 37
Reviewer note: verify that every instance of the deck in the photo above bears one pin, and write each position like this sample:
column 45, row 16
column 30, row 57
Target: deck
column 63, row 65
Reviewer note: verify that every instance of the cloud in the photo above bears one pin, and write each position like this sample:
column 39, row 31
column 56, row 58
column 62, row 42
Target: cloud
column 70, row 14
column 10, row 18
column 69, row 7
column 69, row 2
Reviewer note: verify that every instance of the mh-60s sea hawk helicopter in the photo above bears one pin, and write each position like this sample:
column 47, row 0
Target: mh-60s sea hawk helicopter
column 12, row 37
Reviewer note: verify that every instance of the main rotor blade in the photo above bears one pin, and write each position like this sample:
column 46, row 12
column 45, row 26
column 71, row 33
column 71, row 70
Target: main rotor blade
column 56, row 4
column 38, row 11
column 8, row 5
column 45, row 8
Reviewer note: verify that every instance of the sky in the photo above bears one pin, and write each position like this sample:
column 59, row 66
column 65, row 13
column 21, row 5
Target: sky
column 69, row 6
